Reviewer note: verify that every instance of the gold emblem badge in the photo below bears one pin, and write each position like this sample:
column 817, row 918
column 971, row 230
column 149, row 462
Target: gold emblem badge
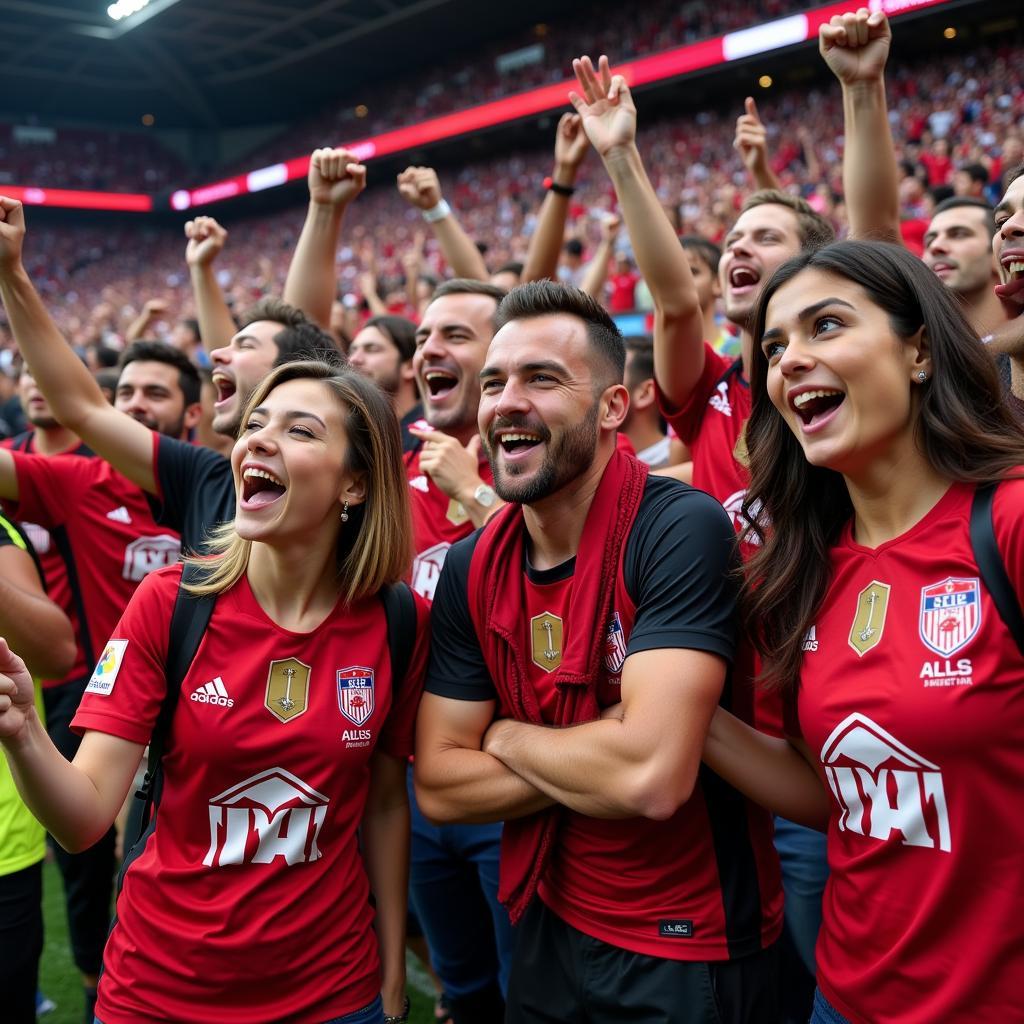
column 456, row 514
column 287, row 689
column 546, row 641
column 740, row 453
column 869, row 622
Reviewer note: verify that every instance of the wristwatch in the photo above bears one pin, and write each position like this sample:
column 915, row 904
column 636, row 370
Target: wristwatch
column 485, row 495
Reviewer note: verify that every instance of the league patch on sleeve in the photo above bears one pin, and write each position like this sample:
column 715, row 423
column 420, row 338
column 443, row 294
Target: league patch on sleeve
column 105, row 673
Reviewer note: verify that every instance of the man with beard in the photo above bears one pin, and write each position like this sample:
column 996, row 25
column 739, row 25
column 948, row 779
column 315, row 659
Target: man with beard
column 582, row 640
column 1008, row 251
column 98, row 537
column 958, row 248
column 194, row 485
column 383, row 351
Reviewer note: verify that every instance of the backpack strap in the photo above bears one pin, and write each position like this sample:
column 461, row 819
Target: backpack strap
column 400, row 612
column 991, row 565
column 189, row 620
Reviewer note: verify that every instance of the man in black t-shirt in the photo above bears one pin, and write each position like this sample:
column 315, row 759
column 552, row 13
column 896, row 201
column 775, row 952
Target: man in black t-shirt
column 581, row 642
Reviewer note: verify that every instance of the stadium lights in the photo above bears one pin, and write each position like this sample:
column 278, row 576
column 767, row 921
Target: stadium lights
column 125, row 8
column 125, row 14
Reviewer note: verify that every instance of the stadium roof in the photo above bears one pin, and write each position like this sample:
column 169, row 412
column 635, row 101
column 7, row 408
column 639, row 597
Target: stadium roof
column 225, row 63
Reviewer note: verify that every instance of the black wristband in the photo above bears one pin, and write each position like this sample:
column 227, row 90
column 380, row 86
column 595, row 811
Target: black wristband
column 559, row 190
column 402, row 1018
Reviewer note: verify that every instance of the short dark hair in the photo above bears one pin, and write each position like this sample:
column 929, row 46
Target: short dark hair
column 299, row 337
column 160, row 352
column 955, row 202
column 193, row 325
column 710, row 253
column 813, row 229
column 641, row 366
column 470, row 286
column 107, row 356
column 1013, row 174
column 511, row 267
column 399, row 330
column 574, row 247
column 551, row 298
column 976, row 172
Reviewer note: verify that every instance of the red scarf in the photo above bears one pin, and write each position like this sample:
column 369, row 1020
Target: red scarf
column 495, row 577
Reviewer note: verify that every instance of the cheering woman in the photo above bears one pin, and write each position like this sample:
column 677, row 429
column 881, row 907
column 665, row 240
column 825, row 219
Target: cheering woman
column 250, row 899
column 877, row 428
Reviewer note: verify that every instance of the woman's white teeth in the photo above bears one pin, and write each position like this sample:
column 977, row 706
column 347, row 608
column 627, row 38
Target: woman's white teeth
column 250, row 473
column 808, row 396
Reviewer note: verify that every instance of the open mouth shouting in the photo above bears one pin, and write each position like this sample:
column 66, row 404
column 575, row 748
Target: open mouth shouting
column 1011, row 265
column 516, row 443
column 226, row 387
column 439, row 383
column 260, row 488
column 743, row 279
column 815, row 407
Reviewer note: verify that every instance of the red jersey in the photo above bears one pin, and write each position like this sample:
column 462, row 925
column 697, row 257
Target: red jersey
column 712, row 424
column 623, row 297
column 910, row 696
column 112, row 538
column 251, row 896
column 437, row 522
column 52, row 549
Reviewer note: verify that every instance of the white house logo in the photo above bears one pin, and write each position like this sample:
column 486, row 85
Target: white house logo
column 720, row 399
column 269, row 815
column 145, row 554
column 884, row 788
column 950, row 614
column 426, row 568
column 355, row 693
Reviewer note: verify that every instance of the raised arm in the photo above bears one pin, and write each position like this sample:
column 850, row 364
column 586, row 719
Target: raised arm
column 751, row 143
column 29, row 619
column 421, row 187
column 856, row 47
column 548, row 236
column 75, row 801
column 140, row 325
column 596, row 275
column 206, row 238
column 335, row 178
column 609, row 119
column 74, row 396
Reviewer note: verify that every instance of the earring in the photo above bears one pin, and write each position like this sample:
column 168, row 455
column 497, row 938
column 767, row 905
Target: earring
column 344, row 512
column 922, row 376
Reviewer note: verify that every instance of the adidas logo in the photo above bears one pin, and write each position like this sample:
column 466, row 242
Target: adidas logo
column 420, row 483
column 810, row 641
column 214, row 692
column 120, row 515
column 720, row 399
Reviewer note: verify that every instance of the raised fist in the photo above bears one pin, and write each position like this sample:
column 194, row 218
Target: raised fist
column 335, row 177
column 420, row 186
column 605, row 106
column 206, row 238
column 856, row 46
column 571, row 142
column 12, row 232
column 751, row 137
column 17, row 695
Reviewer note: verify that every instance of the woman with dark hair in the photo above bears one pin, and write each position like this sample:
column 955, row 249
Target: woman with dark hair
column 877, row 419
column 283, row 801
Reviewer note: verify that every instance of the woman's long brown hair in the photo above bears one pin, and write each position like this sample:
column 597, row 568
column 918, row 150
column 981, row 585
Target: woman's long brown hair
column 797, row 511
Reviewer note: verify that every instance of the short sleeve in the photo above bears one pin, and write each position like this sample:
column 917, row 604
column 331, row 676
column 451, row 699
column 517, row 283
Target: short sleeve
column 457, row 668
column 44, row 484
column 686, row 420
column 196, row 488
column 1008, row 522
column 399, row 732
column 678, row 564
column 128, row 685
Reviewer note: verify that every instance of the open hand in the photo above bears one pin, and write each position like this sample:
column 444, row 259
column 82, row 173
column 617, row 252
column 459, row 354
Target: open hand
column 571, row 142
column 605, row 107
column 856, row 46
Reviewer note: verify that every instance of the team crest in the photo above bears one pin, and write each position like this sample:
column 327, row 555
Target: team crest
column 287, row 689
column 546, row 641
column 614, row 646
column 740, row 452
column 456, row 514
column 869, row 622
column 355, row 693
column 950, row 614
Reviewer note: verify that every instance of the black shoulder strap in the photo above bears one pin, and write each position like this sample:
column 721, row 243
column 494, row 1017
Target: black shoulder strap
column 189, row 620
column 990, row 563
column 400, row 612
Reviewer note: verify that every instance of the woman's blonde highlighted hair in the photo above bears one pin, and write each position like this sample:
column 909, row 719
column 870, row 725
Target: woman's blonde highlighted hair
column 375, row 546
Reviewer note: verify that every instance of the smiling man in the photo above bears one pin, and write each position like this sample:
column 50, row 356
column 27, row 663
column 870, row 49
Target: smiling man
column 582, row 640
column 1008, row 251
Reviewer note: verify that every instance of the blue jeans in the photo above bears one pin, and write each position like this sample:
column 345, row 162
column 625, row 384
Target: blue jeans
column 825, row 1012
column 454, row 892
column 372, row 1014
column 804, row 864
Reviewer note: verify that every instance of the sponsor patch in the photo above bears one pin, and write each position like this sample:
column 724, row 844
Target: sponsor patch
column 546, row 641
column 355, row 693
column 676, row 929
column 105, row 674
column 287, row 689
column 869, row 619
column 950, row 614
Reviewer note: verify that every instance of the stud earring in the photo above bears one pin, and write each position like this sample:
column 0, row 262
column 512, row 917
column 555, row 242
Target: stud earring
column 344, row 512
column 922, row 376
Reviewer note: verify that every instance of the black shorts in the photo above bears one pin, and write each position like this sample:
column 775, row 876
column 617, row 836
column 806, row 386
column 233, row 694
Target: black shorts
column 561, row 976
